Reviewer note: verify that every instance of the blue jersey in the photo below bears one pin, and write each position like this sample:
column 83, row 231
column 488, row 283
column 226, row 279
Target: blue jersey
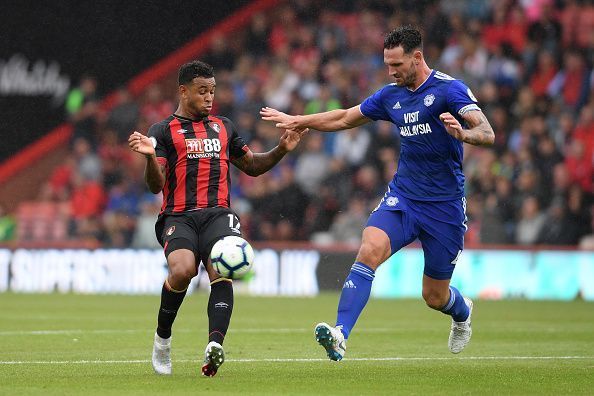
column 430, row 165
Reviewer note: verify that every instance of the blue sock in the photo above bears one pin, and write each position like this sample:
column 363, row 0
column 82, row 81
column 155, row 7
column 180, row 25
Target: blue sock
column 354, row 296
column 456, row 306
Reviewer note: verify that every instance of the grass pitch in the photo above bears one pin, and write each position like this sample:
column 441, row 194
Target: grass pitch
column 72, row 344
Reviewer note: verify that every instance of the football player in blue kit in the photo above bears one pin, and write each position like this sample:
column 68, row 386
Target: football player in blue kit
column 434, row 114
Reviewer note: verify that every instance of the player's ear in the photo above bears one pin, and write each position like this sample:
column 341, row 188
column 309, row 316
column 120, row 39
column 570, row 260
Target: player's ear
column 418, row 57
column 183, row 91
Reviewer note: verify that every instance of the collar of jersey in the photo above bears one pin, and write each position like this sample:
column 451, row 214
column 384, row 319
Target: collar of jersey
column 203, row 119
column 423, row 83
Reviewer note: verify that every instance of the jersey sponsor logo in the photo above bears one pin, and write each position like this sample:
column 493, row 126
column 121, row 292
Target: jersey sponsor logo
column 203, row 148
column 429, row 99
column 416, row 129
column 397, row 106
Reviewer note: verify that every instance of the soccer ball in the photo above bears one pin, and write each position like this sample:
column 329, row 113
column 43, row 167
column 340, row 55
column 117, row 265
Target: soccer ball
column 232, row 257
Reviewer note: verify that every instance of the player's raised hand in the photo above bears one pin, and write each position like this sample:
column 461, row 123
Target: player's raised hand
column 282, row 120
column 291, row 138
column 141, row 144
column 452, row 125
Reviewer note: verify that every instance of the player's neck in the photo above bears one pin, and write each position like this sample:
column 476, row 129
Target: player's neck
column 184, row 113
column 423, row 75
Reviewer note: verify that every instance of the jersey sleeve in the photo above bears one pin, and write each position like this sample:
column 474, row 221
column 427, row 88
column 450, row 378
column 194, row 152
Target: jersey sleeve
column 373, row 106
column 157, row 136
column 460, row 98
column 237, row 146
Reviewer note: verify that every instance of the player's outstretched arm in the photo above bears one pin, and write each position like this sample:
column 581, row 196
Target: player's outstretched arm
column 254, row 164
column 480, row 132
column 154, row 173
column 329, row 121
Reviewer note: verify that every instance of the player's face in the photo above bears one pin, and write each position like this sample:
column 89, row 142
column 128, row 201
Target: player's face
column 197, row 97
column 401, row 66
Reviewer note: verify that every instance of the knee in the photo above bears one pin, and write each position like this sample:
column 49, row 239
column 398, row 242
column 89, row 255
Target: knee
column 434, row 299
column 373, row 253
column 182, row 273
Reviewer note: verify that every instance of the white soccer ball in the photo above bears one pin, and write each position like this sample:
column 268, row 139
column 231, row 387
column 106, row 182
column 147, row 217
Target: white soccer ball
column 232, row 257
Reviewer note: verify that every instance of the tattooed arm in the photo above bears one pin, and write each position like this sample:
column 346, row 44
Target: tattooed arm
column 480, row 132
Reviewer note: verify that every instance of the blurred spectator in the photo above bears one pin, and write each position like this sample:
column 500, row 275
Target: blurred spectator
column 124, row 116
column 531, row 222
column 87, row 162
column 312, row 165
column 571, row 83
column 7, row 226
column 546, row 69
column 82, row 106
column 348, row 225
column 558, row 229
column 288, row 202
column 144, row 232
column 493, row 229
column 156, row 107
column 351, row 145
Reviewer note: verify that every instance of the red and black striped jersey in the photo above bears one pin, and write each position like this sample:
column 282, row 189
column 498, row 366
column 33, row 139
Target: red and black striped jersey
column 196, row 156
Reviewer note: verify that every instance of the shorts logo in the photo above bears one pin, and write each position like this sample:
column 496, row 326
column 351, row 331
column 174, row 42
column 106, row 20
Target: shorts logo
column 429, row 99
column 170, row 231
column 455, row 260
column 392, row 201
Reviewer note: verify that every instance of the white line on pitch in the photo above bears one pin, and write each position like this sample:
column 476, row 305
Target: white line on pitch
column 130, row 331
column 305, row 360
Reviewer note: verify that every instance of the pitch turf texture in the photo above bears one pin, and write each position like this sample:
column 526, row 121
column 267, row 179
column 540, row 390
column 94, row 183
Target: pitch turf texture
column 72, row 344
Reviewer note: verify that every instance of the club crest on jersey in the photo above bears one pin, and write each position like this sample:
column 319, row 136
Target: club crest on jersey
column 429, row 99
column 392, row 201
column 216, row 127
column 170, row 230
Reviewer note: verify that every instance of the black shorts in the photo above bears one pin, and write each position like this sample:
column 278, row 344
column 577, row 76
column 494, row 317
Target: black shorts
column 196, row 230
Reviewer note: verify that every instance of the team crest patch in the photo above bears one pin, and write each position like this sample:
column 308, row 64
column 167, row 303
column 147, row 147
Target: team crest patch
column 170, row 230
column 216, row 127
column 392, row 201
column 429, row 99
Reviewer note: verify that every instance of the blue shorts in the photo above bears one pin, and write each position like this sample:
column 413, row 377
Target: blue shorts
column 440, row 226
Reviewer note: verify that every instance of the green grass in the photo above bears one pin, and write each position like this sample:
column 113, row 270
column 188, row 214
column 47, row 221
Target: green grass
column 72, row 344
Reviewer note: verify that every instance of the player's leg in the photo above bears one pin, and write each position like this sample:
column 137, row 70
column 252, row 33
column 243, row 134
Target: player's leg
column 443, row 242
column 218, row 223
column 386, row 232
column 181, row 261
column 219, row 309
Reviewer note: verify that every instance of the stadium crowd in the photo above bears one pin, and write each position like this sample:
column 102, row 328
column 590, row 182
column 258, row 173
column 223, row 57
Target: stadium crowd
column 528, row 62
